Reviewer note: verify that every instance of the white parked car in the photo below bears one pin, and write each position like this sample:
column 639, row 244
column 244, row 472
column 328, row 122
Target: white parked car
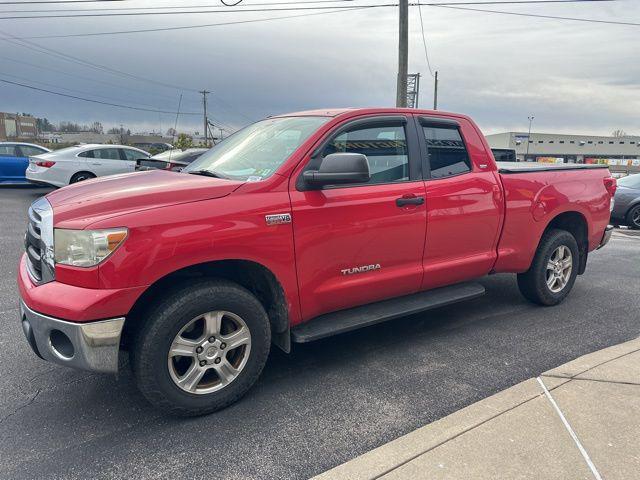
column 82, row 162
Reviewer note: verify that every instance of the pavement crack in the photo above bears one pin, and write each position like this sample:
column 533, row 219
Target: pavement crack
column 592, row 380
column 24, row 405
column 572, row 377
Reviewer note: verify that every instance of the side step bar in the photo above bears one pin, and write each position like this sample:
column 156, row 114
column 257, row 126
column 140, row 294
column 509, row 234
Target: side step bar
column 365, row 315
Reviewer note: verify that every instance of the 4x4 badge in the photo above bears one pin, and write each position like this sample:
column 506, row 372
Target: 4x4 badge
column 278, row 218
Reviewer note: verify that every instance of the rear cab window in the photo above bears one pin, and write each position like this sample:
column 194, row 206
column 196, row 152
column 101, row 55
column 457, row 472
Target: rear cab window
column 447, row 154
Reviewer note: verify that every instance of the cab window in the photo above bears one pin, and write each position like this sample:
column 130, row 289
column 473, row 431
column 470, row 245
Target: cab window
column 446, row 152
column 384, row 146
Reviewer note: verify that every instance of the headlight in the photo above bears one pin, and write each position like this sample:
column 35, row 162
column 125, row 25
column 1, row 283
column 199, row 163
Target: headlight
column 86, row 248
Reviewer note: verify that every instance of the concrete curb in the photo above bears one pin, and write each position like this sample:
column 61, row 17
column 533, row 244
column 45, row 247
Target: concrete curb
column 402, row 451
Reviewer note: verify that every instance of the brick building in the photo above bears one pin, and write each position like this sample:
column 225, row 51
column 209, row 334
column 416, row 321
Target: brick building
column 14, row 126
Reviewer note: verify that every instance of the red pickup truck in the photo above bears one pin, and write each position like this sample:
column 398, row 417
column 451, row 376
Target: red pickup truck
column 295, row 228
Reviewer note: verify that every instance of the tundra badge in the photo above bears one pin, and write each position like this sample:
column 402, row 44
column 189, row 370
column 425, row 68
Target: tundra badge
column 361, row 269
column 278, row 218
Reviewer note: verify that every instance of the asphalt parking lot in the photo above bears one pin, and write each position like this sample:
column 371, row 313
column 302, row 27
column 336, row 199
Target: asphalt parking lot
column 322, row 405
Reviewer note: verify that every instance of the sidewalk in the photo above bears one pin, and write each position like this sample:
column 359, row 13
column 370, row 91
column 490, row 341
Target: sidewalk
column 578, row 421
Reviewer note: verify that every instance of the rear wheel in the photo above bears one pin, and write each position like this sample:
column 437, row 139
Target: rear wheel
column 633, row 217
column 202, row 348
column 553, row 270
column 80, row 176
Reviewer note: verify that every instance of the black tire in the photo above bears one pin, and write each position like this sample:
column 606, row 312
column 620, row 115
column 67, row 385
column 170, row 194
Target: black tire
column 81, row 176
column 163, row 321
column 533, row 282
column 633, row 217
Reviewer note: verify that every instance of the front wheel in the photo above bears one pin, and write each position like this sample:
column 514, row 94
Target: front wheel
column 553, row 270
column 202, row 348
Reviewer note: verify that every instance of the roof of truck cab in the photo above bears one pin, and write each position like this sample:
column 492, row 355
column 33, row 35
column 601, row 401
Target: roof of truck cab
column 334, row 112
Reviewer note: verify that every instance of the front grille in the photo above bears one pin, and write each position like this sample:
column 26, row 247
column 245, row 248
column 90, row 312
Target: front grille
column 38, row 242
column 33, row 245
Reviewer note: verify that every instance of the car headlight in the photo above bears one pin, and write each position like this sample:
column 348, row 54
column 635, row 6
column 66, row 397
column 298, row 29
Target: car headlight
column 86, row 248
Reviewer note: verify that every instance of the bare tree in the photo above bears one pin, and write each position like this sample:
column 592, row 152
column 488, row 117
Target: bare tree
column 618, row 133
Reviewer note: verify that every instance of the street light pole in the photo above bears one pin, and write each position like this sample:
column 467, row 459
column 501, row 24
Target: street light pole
column 529, row 135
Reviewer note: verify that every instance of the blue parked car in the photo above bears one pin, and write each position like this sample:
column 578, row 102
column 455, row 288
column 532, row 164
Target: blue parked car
column 14, row 160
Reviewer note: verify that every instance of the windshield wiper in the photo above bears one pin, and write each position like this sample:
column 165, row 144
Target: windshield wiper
column 208, row 173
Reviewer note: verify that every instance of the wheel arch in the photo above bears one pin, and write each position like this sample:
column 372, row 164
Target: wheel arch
column 88, row 172
column 253, row 276
column 576, row 224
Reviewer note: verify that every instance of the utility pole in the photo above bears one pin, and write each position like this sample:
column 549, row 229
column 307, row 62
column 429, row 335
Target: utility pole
column 435, row 92
column 403, row 54
column 204, row 105
column 529, row 135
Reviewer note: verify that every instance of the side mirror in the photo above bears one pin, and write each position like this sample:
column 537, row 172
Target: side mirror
column 339, row 168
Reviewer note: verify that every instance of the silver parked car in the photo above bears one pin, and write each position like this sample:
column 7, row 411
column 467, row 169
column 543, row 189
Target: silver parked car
column 82, row 162
column 627, row 202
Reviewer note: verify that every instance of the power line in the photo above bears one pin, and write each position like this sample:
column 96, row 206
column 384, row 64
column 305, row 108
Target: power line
column 554, row 17
column 61, row 10
column 37, row 82
column 31, row 87
column 301, row 2
column 86, row 63
column 189, row 27
column 93, row 80
column 183, row 12
column 424, row 41
column 58, row 1
column 511, row 2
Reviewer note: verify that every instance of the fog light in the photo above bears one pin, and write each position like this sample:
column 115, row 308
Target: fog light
column 61, row 345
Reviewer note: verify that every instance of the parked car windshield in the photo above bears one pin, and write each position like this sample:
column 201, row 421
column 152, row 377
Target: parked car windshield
column 257, row 150
column 631, row 181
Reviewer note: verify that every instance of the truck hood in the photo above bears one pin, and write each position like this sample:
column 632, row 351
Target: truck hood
column 97, row 199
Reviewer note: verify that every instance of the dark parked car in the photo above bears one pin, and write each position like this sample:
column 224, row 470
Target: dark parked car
column 627, row 208
column 174, row 160
column 504, row 154
column 153, row 147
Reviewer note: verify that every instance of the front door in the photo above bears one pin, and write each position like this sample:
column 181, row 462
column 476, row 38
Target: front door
column 357, row 244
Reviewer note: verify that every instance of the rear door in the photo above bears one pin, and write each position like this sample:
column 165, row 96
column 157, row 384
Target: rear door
column 108, row 161
column 10, row 163
column 26, row 151
column 357, row 244
column 465, row 207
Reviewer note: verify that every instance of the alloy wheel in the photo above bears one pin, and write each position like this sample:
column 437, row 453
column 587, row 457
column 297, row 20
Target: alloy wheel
column 209, row 352
column 559, row 269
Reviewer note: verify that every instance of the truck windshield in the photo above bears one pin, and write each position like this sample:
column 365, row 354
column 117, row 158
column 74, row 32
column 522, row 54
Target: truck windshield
column 255, row 152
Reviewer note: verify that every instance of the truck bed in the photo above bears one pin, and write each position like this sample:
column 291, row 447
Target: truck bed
column 524, row 167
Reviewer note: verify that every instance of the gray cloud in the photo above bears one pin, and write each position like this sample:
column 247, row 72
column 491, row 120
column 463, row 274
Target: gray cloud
column 574, row 77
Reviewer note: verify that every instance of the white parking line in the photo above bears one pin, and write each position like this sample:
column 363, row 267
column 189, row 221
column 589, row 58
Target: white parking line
column 584, row 453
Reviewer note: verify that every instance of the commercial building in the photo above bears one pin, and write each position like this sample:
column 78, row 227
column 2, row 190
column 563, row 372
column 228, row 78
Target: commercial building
column 14, row 126
column 621, row 154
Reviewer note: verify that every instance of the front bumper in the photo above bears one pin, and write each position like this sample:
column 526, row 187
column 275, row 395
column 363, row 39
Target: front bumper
column 89, row 346
column 606, row 236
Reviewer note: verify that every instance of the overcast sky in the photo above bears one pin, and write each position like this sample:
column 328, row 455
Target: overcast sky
column 573, row 77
